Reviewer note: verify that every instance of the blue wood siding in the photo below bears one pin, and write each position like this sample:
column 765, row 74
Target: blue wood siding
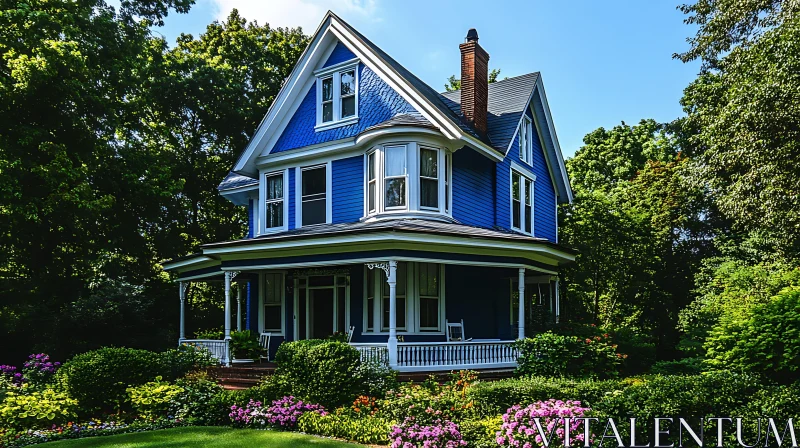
column 484, row 305
column 473, row 191
column 377, row 102
column 503, row 185
column 290, row 190
column 348, row 189
column 251, row 231
column 340, row 54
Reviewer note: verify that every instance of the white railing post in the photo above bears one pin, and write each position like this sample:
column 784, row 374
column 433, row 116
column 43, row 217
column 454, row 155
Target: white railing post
column 182, row 295
column 227, row 305
column 238, row 307
column 558, row 302
column 521, row 333
column 392, row 343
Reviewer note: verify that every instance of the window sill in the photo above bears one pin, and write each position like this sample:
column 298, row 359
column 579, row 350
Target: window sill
column 272, row 230
column 335, row 124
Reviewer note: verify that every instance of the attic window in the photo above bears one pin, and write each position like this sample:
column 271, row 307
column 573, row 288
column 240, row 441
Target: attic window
column 337, row 95
column 526, row 140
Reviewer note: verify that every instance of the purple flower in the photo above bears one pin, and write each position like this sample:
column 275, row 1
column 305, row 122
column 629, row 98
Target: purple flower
column 439, row 434
column 520, row 428
column 283, row 412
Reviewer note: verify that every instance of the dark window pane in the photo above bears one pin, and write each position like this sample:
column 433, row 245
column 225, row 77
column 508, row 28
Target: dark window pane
column 272, row 289
column 320, row 280
column 515, row 186
column 401, row 280
column 527, row 192
column 528, row 218
column 327, row 112
column 370, row 314
column 371, row 166
column 274, row 214
column 348, row 83
column 314, row 181
column 429, row 279
column 396, row 192
column 515, row 218
column 341, row 310
column 327, row 89
column 371, row 196
column 348, row 106
column 394, row 162
column 272, row 318
column 429, row 193
column 429, row 312
column 275, row 186
column 314, row 212
column 401, row 313
column 428, row 162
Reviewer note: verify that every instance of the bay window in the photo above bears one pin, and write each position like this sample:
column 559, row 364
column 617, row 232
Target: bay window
column 407, row 178
column 337, row 95
column 521, row 202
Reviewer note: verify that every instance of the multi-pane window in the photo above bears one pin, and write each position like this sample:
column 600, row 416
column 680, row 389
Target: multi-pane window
column 327, row 100
column 526, row 140
column 347, row 93
column 371, row 182
column 337, row 95
column 273, row 298
column 428, row 281
column 447, row 182
column 274, row 200
column 400, row 294
column 394, row 177
column 429, row 178
column 521, row 203
column 314, row 197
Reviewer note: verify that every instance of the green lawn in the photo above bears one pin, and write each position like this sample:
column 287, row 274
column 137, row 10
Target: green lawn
column 212, row 437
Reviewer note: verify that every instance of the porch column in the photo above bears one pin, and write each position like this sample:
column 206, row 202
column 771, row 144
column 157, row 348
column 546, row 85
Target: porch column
column 521, row 334
column 238, row 307
column 392, row 343
column 228, row 277
column 558, row 302
column 182, row 294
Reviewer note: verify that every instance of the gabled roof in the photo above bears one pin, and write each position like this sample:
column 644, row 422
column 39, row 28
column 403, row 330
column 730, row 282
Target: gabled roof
column 507, row 102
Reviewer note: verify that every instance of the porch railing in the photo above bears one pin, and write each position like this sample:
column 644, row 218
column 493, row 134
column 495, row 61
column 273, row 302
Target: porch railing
column 378, row 352
column 433, row 356
column 219, row 349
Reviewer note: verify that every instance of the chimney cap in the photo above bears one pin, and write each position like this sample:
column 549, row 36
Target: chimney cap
column 472, row 35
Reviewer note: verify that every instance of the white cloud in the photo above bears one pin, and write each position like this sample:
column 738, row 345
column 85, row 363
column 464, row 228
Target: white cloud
column 293, row 13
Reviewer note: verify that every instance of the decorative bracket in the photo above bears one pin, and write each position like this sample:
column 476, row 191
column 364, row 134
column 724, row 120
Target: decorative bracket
column 184, row 287
column 233, row 274
column 383, row 265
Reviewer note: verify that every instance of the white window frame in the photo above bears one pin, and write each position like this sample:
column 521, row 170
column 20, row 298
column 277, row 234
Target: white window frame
column 439, row 178
column 526, row 140
column 335, row 73
column 412, row 301
column 262, row 297
column 404, row 176
column 524, row 174
column 412, row 177
column 261, row 208
column 298, row 189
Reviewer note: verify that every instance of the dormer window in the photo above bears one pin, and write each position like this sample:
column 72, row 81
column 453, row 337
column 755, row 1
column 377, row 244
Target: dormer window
column 337, row 95
column 407, row 177
column 526, row 140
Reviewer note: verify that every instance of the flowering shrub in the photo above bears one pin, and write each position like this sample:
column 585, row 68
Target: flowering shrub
column 11, row 375
column 430, row 401
column 80, row 430
column 283, row 413
column 155, row 399
column 364, row 406
column 550, row 354
column 438, row 434
column 520, row 427
column 38, row 369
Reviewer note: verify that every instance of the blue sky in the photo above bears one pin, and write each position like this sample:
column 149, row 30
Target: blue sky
column 602, row 62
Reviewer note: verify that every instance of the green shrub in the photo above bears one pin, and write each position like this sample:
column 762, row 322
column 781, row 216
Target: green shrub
column 99, row 379
column 195, row 402
column 219, row 405
column 176, row 363
column 366, row 429
column 495, row 397
column 481, row 433
column 155, row 399
column 244, row 345
column 36, row 409
column 687, row 366
column 550, row 354
column 765, row 340
column 323, row 372
column 430, row 401
column 375, row 379
column 639, row 351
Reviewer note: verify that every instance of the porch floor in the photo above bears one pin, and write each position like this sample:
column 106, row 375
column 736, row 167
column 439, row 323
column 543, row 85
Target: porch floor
column 245, row 377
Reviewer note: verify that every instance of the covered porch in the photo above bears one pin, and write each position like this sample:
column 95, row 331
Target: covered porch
column 391, row 300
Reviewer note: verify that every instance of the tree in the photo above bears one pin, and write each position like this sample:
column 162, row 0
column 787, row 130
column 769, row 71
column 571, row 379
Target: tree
column 454, row 83
column 743, row 113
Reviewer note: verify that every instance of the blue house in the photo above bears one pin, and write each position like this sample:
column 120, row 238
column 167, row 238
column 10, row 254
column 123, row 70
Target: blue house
column 411, row 220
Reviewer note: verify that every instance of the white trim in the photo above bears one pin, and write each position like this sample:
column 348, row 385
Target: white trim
column 197, row 259
column 531, row 191
column 260, row 213
column 554, row 137
column 523, row 170
column 341, row 66
column 335, row 124
column 242, row 189
column 334, row 74
column 196, row 277
column 298, row 208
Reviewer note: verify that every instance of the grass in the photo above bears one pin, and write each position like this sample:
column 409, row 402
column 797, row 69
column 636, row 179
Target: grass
column 211, row 437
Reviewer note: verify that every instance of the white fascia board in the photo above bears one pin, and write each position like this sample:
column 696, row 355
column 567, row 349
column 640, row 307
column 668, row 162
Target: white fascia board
column 191, row 262
column 554, row 137
column 390, row 236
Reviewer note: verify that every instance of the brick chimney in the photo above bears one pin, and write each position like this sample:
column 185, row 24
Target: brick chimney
column 474, row 81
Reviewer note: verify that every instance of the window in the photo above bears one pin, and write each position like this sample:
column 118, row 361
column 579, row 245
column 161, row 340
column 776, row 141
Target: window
column 314, row 198
column 337, row 95
column 526, row 140
column 274, row 201
column 371, row 182
column 429, row 178
column 400, row 298
column 394, row 177
column 521, row 203
column 273, row 300
column 447, row 183
column 428, row 281
column 419, row 299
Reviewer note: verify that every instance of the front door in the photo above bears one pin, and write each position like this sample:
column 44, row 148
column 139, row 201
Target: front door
column 321, row 306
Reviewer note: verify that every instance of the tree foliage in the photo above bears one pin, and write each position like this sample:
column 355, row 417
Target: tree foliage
column 454, row 83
